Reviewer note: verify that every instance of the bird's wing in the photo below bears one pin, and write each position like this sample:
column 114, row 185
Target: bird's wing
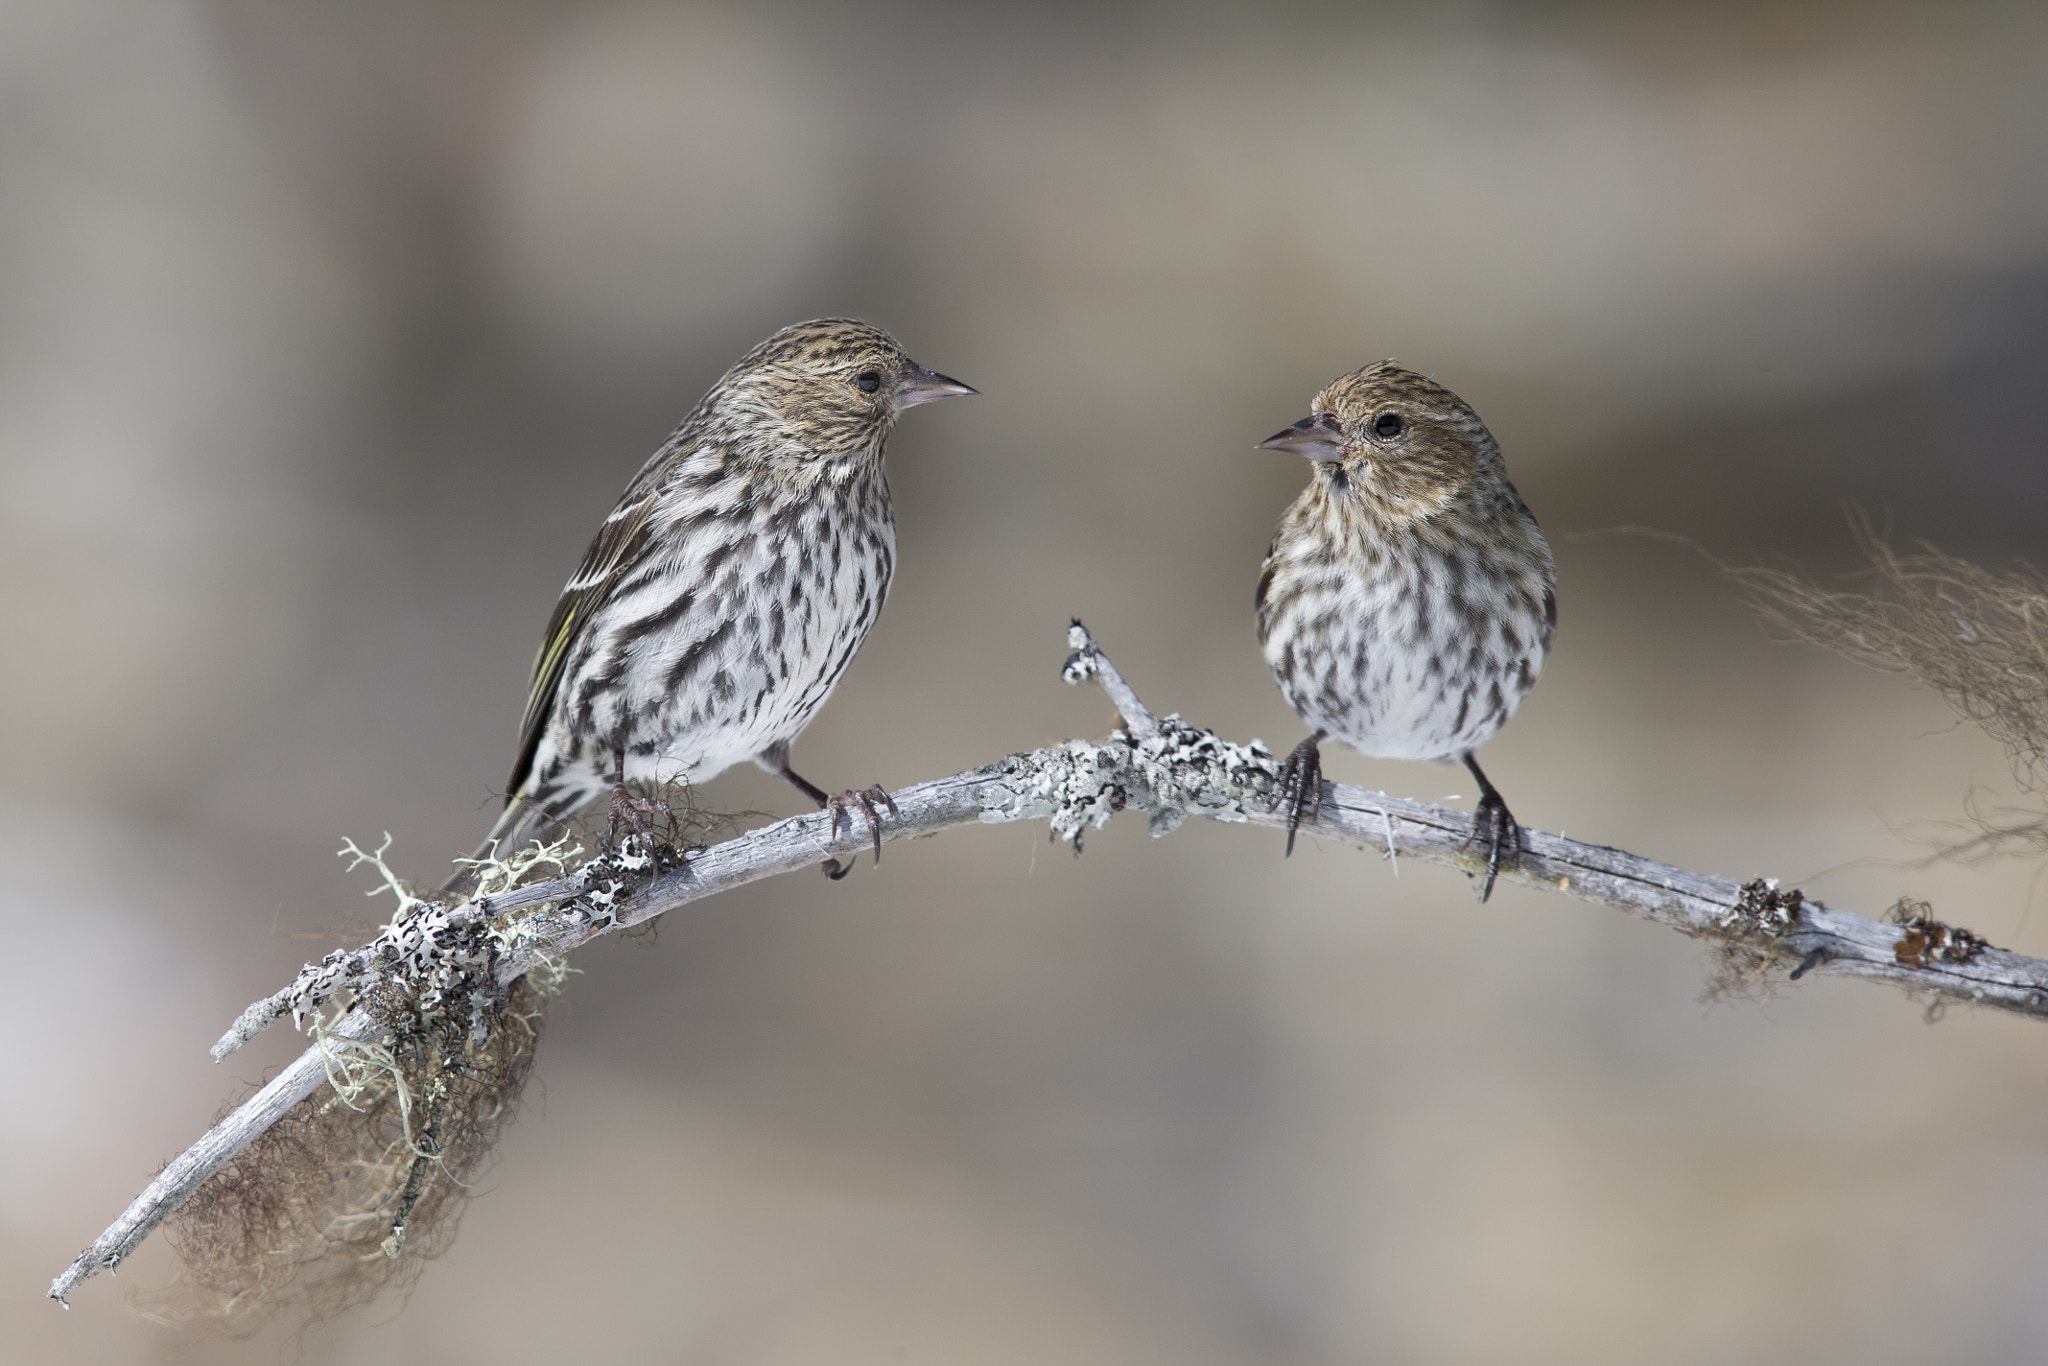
column 1266, row 572
column 618, row 545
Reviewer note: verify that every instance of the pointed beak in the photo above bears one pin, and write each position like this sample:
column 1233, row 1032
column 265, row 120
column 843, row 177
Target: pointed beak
column 926, row 386
column 1318, row 438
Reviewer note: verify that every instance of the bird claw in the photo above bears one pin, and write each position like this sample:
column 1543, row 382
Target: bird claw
column 1492, row 816
column 843, row 805
column 627, row 810
column 1301, row 787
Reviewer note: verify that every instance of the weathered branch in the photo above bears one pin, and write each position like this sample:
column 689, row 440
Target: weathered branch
column 1162, row 766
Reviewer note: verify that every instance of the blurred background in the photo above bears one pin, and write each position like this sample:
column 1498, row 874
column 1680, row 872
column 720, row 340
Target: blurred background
column 329, row 332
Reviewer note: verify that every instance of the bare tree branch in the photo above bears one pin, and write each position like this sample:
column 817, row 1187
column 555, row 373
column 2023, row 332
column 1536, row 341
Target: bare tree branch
column 1162, row 766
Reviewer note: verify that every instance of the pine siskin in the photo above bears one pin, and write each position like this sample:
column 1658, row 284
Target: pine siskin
column 730, row 587
column 1409, row 596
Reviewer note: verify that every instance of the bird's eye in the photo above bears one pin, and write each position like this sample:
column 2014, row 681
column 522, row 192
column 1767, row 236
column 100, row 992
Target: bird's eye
column 1388, row 425
column 868, row 381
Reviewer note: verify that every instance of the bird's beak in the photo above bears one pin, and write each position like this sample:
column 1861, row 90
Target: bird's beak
column 1318, row 438
column 925, row 386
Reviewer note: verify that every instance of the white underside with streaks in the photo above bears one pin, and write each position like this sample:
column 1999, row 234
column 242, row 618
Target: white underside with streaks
column 1405, row 658
column 753, row 636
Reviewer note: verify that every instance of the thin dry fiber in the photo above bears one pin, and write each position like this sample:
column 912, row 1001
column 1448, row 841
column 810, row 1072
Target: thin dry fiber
column 357, row 1186
column 1977, row 636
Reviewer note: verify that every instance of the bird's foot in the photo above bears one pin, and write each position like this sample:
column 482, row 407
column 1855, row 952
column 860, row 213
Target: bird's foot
column 1495, row 824
column 1301, row 787
column 631, row 812
column 844, row 805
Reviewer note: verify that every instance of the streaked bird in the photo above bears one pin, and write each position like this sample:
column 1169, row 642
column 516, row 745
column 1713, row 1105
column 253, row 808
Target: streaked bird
column 727, row 592
column 1409, row 597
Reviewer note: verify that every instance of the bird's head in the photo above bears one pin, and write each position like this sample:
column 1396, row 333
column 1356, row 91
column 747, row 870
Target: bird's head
column 827, row 389
column 1394, row 436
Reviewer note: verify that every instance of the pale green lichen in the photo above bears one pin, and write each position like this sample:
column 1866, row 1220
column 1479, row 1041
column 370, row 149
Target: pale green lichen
column 391, row 882
column 494, row 876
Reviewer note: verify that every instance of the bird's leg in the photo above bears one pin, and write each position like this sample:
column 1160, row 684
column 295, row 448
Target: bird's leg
column 1301, row 786
column 803, row 785
column 1493, row 817
column 838, row 806
column 621, row 799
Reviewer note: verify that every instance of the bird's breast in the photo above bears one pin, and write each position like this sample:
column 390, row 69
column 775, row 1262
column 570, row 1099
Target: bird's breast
column 731, row 637
column 1404, row 648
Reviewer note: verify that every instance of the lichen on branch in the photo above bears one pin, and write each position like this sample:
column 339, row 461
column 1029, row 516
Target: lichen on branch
column 318, row 1194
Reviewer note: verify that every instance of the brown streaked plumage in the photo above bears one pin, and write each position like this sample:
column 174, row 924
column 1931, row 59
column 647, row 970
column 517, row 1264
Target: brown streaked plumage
column 728, row 590
column 1409, row 597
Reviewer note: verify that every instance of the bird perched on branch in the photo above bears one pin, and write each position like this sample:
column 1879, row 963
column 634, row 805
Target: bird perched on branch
column 730, row 587
column 1409, row 596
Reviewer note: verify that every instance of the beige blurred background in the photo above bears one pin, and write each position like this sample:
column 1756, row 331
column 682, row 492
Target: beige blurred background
column 328, row 333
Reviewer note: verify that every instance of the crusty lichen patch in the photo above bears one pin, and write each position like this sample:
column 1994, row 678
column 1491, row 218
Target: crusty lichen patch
column 1751, row 946
column 1924, row 940
column 1181, row 771
column 1763, row 912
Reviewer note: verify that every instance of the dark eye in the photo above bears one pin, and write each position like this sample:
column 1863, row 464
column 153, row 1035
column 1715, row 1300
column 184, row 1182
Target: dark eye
column 868, row 381
column 1388, row 425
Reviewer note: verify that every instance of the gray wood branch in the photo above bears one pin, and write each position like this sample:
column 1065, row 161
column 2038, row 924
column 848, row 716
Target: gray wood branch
column 1169, row 770
column 216, row 1147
